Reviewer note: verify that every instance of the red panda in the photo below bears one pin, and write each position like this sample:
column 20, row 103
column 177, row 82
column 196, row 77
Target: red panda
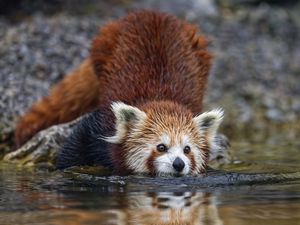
column 145, row 77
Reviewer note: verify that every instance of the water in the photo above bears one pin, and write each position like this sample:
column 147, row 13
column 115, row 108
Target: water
column 32, row 197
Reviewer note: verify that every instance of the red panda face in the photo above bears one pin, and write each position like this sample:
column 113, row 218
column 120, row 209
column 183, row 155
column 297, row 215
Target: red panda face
column 163, row 138
column 178, row 154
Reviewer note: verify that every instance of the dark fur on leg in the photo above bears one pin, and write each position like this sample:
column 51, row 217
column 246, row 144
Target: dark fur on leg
column 85, row 147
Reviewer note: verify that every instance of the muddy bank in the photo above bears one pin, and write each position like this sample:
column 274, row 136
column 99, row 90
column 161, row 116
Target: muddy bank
column 255, row 76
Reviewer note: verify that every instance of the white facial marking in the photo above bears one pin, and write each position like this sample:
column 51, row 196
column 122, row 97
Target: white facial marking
column 165, row 139
column 125, row 114
column 209, row 122
column 164, row 163
column 185, row 140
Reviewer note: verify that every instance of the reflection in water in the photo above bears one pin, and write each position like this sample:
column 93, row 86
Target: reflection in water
column 273, row 214
column 35, row 197
column 171, row 208
column 185, row 208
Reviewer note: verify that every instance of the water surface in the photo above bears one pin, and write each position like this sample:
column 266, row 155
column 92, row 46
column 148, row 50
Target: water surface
column 31, row 197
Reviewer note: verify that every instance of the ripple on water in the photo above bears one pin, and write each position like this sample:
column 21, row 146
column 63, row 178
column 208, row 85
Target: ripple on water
column 85, row 196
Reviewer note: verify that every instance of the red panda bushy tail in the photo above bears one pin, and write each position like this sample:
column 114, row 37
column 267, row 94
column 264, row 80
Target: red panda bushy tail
column 75, row 95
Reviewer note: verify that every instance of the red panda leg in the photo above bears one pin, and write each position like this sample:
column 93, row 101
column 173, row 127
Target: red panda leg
column 75, row 95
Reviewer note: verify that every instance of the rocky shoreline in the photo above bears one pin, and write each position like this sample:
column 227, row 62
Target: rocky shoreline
column 255, row 77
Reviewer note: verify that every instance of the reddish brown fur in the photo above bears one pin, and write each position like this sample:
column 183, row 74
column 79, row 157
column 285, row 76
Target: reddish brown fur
column 152, row 47
column 168, row 114
column 150, row 162
column 75, row 95
column 162, row 117
column 193, row 161
column 146, row 56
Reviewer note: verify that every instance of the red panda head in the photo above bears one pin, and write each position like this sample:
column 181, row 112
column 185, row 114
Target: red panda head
column 164, row 138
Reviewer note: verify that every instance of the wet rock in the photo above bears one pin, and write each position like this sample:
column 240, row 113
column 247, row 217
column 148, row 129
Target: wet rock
column 213, row 179
column 42, row 149
column 219, row 153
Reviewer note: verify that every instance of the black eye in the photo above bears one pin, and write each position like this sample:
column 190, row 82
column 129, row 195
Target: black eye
column 161, row 148
column 187, row 149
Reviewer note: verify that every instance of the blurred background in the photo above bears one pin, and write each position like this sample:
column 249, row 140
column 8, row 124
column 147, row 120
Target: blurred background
column 256, row 44
column 255, row 78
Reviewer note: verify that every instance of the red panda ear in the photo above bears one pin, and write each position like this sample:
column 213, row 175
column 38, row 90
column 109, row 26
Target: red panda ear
column 209, row 122
column 126, row 116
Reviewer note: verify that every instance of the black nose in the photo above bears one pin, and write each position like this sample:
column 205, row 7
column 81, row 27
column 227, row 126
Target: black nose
column 178, row 164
